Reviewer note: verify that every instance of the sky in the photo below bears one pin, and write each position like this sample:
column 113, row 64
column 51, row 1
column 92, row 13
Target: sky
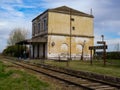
column 19, row 13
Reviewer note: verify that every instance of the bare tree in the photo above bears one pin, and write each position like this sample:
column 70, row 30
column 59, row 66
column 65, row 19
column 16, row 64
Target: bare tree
column 16, row 35
column 83, row 45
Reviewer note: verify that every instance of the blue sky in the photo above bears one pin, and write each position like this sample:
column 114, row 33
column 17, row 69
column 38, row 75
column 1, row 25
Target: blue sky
column 19, row 13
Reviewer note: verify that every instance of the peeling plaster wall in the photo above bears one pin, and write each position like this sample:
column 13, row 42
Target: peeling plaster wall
column 79, row 40
column 64, row 47
column 61, row 46
column 79, row 48
column 59, row 23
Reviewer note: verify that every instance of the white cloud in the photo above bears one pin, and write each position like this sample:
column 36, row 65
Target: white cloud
column 19, row 1
column 11, row 11
column 113, row 41
column 110, row 23
column 119, row 33
column 113, row 44
column 24, row 6
column 12, row 1
column 3, row 24
column 82, row 5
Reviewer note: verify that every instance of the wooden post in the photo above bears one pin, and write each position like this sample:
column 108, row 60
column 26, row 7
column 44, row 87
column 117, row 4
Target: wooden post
column 103, row 47
column 104, row 54
column 82, row 53
column 70, row 35
column 94, row 54
column 91, row 57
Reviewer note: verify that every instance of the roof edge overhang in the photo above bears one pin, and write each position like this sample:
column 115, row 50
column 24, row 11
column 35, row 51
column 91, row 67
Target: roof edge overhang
column 91, row 16
column 40, row 15
column 33, row 40
column 26, row 41
column 75, row 12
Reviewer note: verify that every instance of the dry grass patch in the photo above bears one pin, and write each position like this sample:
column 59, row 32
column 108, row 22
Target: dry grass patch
column 15, row 75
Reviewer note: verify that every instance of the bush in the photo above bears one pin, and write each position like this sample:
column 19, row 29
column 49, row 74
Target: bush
column 109, row 55
column 113, row 55
column 15, row 50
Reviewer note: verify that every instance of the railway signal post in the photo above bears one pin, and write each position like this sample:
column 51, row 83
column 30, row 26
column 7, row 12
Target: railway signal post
column 104, row 47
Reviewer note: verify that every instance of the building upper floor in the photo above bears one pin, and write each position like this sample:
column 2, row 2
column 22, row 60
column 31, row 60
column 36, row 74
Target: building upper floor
column 63, row 21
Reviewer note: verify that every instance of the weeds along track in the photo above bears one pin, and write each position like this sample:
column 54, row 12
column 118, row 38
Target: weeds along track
column 67, row 78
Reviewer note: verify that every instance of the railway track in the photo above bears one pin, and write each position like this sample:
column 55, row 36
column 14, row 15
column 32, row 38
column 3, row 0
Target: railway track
column 67, row 78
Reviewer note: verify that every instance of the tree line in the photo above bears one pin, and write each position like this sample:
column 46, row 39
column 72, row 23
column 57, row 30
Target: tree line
column 16, row 35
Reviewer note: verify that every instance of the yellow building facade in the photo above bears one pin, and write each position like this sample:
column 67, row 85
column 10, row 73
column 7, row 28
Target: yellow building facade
column 63, row 33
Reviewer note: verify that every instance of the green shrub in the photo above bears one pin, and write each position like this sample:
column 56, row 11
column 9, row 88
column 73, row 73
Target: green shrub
column 15, row 50
column 113, row 55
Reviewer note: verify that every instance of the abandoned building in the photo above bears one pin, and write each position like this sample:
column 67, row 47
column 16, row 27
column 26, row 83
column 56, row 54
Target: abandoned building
column 62, row 32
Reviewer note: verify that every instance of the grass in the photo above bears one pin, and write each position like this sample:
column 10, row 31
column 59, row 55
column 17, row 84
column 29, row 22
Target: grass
column 112, row 67
column 19, row 80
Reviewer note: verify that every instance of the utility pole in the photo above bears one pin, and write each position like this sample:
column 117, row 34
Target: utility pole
column 70, row 39
column 70, row 34
column 91, row 11
column 102, row 37
column 104, row 50
column 83, row 45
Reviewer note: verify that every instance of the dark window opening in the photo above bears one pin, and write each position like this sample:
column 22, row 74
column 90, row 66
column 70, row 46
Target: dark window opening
column 38, row 27
column 72, row 19
column 73, row 28
column 34, row 29
column 45, row 24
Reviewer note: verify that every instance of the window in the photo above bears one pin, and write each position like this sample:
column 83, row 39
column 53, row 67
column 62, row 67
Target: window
column 34, row 29
column 72, row 19
column 64, row 48
column 38, row 27
column 79, row 48
column 42, row 25
column 73, row 28
column 45, row 24
column 53, row 44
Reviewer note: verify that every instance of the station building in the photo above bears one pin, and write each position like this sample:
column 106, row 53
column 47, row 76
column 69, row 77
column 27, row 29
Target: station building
column 62, row 32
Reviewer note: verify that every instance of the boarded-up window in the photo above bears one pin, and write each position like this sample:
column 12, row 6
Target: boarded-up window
column 64, row 48
column 79, row 48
